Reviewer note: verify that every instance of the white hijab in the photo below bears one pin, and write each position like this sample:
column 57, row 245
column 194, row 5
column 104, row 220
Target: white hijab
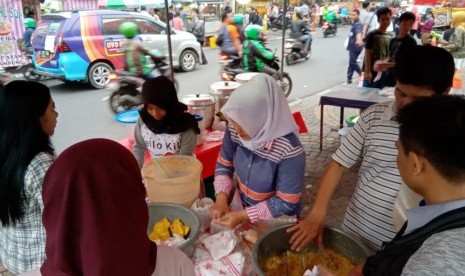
column 260, row 108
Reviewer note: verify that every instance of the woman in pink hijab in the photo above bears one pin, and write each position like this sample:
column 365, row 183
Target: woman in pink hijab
column 96, row 217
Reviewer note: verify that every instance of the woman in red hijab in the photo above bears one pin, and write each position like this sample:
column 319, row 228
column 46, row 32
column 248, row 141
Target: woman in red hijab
column 96, row 217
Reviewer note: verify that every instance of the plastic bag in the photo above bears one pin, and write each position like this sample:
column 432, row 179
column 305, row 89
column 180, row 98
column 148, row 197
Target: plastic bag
column 202, row 208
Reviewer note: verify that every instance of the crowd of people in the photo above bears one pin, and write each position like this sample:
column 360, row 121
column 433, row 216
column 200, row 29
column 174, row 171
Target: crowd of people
column 73, row 214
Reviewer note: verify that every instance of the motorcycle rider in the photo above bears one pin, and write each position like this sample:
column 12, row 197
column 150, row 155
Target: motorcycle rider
column 254, row 54
column 238, row 21
column 135, row 53
column 30, row 25
column 300, row 30
column 231, row 44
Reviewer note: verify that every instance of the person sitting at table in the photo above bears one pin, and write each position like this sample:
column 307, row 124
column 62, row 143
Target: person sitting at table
column 369, row 215
column 262, row 147
column 27, row 120
column 431, row 161
column 164, row 127
column 96, row 217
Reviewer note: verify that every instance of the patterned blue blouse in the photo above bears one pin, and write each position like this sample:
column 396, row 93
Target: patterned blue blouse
column 270, row 179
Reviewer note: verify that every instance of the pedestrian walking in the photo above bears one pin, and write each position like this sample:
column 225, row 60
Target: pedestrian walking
column 354, row 45
column 456, row 46
column 197, row 28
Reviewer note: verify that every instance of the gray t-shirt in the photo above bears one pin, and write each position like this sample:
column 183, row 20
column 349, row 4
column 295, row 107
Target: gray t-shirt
column 441, row 254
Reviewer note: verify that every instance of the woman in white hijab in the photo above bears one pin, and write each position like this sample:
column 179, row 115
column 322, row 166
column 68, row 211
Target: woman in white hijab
column 262, row 147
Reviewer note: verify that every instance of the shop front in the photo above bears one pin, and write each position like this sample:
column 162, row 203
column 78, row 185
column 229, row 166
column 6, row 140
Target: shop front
column 12, row 14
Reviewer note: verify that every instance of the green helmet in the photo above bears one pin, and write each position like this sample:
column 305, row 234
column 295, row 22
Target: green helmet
column 253, row 31
column 128, row 29
column 29, row 22
column 238, row 19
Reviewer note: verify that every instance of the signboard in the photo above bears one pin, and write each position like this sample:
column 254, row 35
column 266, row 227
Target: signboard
column 73, row 5
column 11, row 29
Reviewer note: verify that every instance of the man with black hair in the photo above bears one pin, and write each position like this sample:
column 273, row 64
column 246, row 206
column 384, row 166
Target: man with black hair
column 431, row 161
column 422, row 71
column 400, row 43
column 230, row 44
column 354, row 45
column 377, row 48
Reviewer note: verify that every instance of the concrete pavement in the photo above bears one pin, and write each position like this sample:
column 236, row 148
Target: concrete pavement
column 316, row 159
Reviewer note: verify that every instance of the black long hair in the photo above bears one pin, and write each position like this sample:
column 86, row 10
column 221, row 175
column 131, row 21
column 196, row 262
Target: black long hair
column 22, row 103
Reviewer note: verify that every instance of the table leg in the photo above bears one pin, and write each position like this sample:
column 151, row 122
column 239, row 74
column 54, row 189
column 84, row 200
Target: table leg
column 321, row 127
column 341, row 118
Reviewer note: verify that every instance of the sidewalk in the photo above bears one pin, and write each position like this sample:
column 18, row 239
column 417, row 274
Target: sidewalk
column 316, row 159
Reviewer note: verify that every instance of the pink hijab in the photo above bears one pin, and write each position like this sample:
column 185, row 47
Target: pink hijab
column 95, row 213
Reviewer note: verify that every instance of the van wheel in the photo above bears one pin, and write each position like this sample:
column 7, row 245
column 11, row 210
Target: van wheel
column 187, row 61
column 98, row 75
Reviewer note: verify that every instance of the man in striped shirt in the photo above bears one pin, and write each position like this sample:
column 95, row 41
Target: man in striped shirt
column 421, row 71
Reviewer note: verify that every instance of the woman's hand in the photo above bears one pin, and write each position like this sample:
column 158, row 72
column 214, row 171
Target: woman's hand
column 233, row 219
column 311, row 228
column 220, row 207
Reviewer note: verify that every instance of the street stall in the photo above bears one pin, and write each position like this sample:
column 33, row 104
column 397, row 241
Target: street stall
column 12, row 14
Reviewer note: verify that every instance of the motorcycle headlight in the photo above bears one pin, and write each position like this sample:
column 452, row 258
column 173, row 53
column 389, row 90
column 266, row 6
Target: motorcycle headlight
column 226, row 76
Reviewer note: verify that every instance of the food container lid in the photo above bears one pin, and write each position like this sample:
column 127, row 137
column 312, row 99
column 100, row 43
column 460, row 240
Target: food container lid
column 128, row 116
column 198, row 100
column 245, row 77
column 224, row 87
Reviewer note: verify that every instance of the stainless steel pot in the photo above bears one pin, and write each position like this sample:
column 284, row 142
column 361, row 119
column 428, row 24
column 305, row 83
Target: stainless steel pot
column 203, row 105
column 221, row 91
column 277, row 241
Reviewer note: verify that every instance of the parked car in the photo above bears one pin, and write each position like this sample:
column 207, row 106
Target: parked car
column 86, row 45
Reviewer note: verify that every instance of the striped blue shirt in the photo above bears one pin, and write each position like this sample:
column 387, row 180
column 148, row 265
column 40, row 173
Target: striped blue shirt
column 270, row 179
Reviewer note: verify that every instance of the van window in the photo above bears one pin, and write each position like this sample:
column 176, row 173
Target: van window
column 46, row 32
column 110, row 26
column 149, row 27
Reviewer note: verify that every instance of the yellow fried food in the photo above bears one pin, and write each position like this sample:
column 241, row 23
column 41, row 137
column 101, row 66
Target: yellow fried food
column 160, row 230
column 178, row 228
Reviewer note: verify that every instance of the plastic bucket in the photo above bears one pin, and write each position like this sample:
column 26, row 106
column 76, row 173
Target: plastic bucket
column 171, row 211
column 129, row 119
column 175, row 179
column 351, row 120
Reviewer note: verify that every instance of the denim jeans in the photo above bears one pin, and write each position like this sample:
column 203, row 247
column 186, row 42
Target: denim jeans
column 306, row 39
column 381, row 83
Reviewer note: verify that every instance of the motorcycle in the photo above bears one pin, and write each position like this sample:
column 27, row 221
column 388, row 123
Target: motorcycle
column 277, row 24
column 232, row 67
column 127, row 94
column 329, row 29
column 293, row 51
column 28, row 68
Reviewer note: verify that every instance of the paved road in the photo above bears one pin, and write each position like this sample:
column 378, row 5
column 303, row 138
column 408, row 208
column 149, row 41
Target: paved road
column 84, row 112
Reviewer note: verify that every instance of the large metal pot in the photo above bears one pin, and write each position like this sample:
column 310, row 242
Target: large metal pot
column 277, row 241
column 203, row 105
column 221, row 91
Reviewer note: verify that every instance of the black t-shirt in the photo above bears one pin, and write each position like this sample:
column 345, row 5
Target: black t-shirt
column 396, row 47
column 378, row 43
